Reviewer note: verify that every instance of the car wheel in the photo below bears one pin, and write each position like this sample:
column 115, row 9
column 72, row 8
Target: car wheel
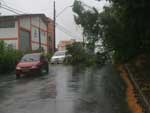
column 41, row 71
column 18, row 76
column 47, row 69
column 44, row 70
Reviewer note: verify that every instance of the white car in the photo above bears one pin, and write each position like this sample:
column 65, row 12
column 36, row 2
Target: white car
column 58, row 57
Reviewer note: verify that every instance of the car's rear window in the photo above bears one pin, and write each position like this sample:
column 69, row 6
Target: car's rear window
column 59, row 53
column 30, row 58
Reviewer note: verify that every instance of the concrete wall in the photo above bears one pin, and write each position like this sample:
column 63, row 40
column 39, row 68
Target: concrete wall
column 9, row 32
column 35, row 38
column 43, row 25
column 35, row 21
column 12, row 43
column 38, row 23
column 32, row 24
column 44, row 39
column 25, row 22
column 10, row 35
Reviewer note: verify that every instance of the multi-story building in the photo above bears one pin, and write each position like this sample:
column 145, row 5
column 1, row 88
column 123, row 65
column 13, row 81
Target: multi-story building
column 63, row 44
column 26, row 32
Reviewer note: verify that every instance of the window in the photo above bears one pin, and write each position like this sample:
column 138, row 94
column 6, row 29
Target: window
column 8, row 24
column 31, row 58
column 35, row 33
column 43, row 33
column 12, row 46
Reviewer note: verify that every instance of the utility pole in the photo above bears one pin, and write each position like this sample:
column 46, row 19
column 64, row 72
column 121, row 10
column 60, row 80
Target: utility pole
column 54, row 26
column 83, row 39
column 40, row 35
column 0, row 7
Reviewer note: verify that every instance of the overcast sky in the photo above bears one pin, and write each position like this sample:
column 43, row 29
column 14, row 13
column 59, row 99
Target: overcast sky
column 65, row 19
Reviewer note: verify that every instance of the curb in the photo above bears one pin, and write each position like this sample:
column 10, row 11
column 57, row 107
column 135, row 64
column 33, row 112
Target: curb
column 143, row 101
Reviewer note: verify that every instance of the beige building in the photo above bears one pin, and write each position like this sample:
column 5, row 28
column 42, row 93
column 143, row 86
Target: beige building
column 25, row 32
column 63, row 44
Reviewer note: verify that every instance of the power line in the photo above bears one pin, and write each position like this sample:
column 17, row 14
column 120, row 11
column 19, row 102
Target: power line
column 10, row 10
column 6, row 7
column 9, row 6
column 63, row 10
column 60, row 27
column 66, row 30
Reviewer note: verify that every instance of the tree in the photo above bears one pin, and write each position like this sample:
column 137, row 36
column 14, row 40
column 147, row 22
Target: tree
column 126, row 27
column 88, row 20
column 123, row 26
column 77, row 52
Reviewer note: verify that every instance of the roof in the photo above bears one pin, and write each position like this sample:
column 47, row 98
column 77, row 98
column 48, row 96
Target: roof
column 8, row 17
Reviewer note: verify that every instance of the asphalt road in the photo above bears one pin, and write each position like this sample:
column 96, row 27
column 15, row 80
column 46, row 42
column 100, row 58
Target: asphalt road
column 65, row 89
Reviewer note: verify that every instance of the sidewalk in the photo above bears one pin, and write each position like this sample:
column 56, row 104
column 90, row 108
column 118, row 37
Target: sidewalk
column 141, row 80
column 131, row 95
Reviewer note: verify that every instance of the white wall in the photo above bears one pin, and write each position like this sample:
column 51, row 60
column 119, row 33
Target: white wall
column 35, row 21
column 12, row 43
column 6, row 33
column 36, row 24
column 44, row 39
column 35, row 38
column 9, row 32
column 43, row 25
column 35, row 34
column 25, row 22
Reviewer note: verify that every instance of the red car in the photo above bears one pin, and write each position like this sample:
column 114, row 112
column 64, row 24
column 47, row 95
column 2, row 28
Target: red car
column 35, row 63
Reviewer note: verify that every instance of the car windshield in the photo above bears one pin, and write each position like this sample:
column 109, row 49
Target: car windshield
column 60, row 53
column 30, row 58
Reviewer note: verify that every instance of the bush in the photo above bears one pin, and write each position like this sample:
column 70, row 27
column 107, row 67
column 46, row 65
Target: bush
column 8, row 58
column 101, row 58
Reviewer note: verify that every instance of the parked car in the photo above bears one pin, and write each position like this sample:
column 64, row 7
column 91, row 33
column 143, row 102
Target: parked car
column 35, row 63
column 59, row 57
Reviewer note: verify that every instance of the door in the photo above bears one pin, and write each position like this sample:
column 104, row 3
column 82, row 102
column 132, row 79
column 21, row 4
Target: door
column 25, row 40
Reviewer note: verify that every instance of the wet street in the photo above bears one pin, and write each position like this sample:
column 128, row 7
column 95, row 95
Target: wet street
column 66, row 89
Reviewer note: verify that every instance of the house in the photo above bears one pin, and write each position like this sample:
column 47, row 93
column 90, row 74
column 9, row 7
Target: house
column 63, row 44
column 26, row 32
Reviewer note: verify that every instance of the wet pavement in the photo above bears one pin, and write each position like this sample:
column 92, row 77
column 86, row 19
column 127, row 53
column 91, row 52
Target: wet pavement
column 66, row 89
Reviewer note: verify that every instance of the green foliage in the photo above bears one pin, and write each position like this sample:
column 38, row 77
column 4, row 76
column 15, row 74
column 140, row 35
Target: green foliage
column 8, row 58
column 48, row 55
column 126, row 27
column 123, row 26
column 80, row 55
column 88, row 20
